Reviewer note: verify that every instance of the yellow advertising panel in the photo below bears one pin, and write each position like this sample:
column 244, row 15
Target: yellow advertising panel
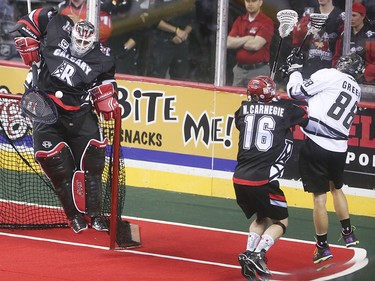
column 182, row 137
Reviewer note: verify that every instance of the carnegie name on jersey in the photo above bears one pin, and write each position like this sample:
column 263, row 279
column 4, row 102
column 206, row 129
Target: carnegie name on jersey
column 263, row 109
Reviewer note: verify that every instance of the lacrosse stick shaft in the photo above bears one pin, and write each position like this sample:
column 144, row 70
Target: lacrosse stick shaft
column 34, row 71
column 317, row 21
column 275, row 62
column 303, row 42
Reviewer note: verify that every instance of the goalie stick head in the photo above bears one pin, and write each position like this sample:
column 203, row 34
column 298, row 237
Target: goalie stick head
column 287, row 19
column 261, row 88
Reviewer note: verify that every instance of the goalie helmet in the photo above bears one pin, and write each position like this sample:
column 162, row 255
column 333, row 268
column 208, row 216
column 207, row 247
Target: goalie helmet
column 261, row 88
column 83, row 37
column 351, row 64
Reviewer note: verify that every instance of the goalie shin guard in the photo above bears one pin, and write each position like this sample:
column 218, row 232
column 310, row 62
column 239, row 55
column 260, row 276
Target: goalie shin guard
column 58, row 165
column 92, row 163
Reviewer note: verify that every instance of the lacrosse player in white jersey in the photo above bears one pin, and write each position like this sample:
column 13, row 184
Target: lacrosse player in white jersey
column 332, row 95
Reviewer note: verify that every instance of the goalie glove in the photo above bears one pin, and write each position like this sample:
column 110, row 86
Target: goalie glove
column 28, row 49
column 105, row 102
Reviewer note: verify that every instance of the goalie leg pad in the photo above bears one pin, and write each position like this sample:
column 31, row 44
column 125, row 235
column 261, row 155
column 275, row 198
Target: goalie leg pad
column 58, row 165
column 92, row 163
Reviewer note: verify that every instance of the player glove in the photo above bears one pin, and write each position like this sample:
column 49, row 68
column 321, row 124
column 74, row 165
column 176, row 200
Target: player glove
column 28, row 49
column 105, row 101
column 295, row 57
column 294, row 62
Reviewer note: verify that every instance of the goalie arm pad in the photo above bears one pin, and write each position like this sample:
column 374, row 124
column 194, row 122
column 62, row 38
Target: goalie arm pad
column 28, row 49
column 35, row 23
column 105, row 100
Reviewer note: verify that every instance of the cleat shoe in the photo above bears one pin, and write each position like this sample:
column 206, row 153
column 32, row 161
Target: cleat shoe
column 78, row 224
column 322, row 254
column 350, row 239
column 246, row 266
column 259, row 263
column 99, row 224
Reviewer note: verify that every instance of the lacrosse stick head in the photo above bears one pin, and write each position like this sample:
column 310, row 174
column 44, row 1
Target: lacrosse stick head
column 287, row 19
column 38, row 106
column 316, row 22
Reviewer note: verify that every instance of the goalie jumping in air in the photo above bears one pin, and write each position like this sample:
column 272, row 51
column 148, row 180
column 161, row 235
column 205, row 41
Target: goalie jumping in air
column 77, row 73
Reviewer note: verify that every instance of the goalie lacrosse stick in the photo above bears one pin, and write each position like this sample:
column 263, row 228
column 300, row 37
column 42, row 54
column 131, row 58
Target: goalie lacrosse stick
column 316, row 22
column 287, row 19
column 36, row 104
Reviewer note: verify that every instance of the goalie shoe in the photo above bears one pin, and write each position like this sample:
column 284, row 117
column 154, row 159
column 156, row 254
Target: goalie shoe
column 99, row 224
column 78, row 224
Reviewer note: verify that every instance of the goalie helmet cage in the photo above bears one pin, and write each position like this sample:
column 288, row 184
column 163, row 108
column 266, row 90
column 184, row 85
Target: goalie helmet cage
column 27, row 198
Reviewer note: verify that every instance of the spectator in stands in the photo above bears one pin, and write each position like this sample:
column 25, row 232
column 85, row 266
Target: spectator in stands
column 170, row 40
column 319, row 48
column 370, row 7
column 251, row 37
column 359, row 35
column 77, row 9
column 369, row 72
column 7, row 22
column 131, row 36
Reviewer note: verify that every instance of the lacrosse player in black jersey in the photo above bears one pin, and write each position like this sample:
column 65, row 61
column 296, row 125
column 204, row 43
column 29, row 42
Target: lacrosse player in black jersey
column 332, row 95
column 265, row 145
column 77, row 73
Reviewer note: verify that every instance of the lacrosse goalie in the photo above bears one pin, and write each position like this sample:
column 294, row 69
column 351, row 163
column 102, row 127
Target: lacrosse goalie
column 77, row 73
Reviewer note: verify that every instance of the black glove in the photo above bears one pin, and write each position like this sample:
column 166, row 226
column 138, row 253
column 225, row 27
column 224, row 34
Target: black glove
column 295, row 57
column 294, row 62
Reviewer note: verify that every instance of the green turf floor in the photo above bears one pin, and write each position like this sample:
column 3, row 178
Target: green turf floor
column 225, row 214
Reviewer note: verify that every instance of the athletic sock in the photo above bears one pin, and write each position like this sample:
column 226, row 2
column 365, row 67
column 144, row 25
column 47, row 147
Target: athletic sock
column 346, row 227
column 265, row 243
column 321, row 240
column 252, row 241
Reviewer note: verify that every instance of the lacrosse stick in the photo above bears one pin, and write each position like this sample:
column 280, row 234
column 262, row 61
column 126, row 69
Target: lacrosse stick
column 288, row 19
column 35, row 103
column 316, row 22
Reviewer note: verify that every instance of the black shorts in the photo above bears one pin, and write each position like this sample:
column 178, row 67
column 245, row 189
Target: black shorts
column 319, row 166
column 268, row 201
column 75, row 130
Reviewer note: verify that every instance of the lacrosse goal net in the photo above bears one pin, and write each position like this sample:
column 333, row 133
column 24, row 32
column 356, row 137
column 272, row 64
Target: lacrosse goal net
column 27, row 198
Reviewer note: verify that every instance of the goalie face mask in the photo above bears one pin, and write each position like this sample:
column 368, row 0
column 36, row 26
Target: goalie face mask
column 261, row 88
column 351, row 64
column 83, row 37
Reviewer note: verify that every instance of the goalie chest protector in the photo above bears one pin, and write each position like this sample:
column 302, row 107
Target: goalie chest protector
column 70, row 71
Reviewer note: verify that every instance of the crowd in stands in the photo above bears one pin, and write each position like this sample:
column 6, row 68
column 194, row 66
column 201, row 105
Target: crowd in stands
column 176, row 39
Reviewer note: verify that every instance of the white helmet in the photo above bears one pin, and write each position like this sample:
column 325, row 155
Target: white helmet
column 83, row 38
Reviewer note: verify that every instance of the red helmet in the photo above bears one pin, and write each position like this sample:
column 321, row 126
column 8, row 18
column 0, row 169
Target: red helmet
column 261, row 88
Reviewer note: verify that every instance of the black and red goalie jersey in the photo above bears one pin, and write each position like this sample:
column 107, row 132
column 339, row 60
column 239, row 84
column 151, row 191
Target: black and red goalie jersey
column 265, row 139
column 60, row 69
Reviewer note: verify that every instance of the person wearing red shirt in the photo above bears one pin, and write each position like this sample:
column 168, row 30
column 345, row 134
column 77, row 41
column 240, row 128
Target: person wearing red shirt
column 369, row 72
column 76, row 10
column 251, row 36
column 361, row 32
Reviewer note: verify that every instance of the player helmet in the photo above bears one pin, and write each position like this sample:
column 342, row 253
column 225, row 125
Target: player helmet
column 351, row 64
column 83, row 38
column 261, row 88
